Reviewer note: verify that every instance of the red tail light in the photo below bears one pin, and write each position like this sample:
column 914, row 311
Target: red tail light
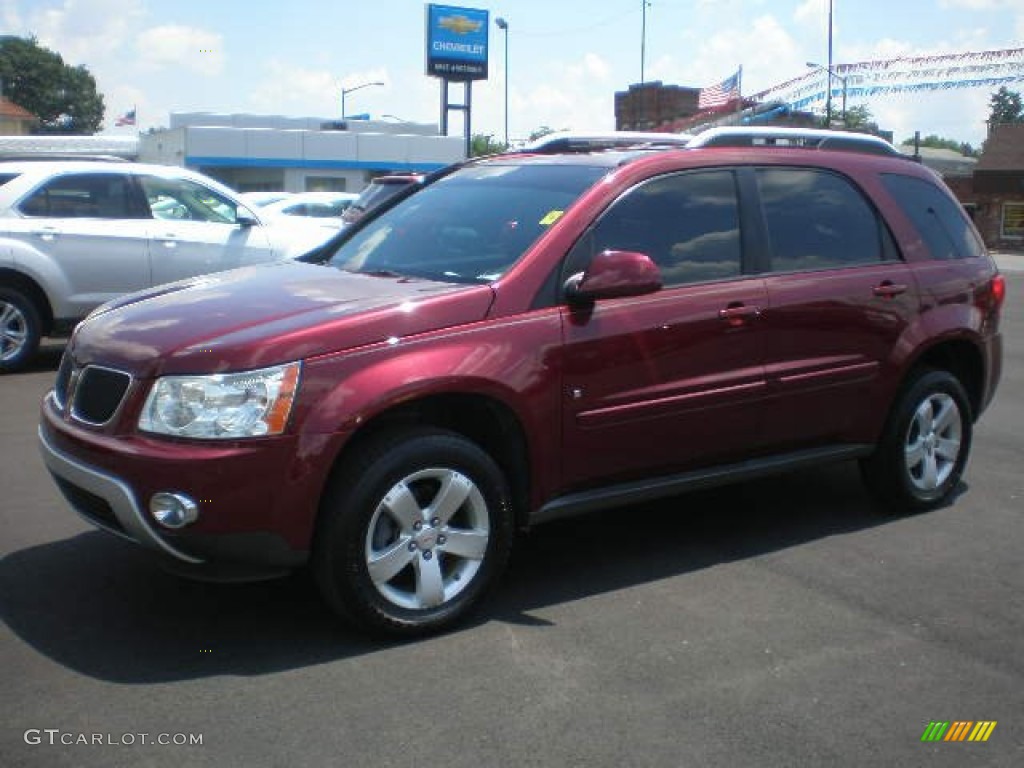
column 998, row 290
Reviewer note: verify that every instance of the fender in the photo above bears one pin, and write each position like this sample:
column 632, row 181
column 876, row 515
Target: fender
column 344, row 393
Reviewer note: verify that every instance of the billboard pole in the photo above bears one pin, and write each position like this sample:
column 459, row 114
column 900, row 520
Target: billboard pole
column 469, row 117
column 457, row 50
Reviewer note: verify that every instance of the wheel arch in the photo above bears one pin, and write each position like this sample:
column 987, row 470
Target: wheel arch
column 483, row 419
column 962, row 358
column 33, row 291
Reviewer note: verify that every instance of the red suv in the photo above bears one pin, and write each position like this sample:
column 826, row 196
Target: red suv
column 528, row 337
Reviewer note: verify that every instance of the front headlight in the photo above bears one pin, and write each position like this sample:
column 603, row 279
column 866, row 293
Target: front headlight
column 222, row 406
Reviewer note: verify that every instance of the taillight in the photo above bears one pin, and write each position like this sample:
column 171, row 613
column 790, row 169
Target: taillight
column 998, row 290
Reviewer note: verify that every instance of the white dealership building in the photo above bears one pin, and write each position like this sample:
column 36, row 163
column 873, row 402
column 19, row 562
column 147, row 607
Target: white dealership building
column 297, row 154
column 268, row 152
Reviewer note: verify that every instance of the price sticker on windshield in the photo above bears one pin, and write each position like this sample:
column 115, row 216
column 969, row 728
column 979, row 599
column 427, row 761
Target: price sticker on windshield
column 551, row 218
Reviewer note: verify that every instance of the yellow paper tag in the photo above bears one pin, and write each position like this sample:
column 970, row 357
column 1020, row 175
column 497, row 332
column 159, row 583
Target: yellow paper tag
column 551, row 218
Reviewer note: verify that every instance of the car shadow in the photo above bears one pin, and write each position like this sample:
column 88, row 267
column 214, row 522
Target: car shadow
column 101, row 607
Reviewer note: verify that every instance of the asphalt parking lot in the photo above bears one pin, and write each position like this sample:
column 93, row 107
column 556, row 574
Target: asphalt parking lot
column 779, row 623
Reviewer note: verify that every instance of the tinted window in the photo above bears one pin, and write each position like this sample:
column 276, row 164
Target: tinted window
column 939, row 219
column 469, row 226
column 688, row 224
column 817, row 220
column 5, row 177
column 84, row 195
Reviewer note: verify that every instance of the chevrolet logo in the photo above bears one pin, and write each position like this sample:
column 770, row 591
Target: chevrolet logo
column 460, row 25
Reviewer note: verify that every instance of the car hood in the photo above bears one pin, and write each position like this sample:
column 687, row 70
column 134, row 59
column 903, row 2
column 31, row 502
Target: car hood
column 264, row 315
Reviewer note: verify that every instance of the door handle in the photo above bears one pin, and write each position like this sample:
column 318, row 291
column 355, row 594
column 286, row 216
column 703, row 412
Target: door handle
column 47, row 233
column 737, row 315
column 888, row 289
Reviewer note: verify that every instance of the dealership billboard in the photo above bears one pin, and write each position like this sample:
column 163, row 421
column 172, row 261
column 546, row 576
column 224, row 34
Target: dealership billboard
column 457, row 42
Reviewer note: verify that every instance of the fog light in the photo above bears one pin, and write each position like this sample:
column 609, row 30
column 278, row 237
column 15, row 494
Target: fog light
column 173, row 510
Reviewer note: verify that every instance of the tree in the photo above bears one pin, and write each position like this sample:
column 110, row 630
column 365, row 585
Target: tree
column 64, row 98
column 1005, row 107
column 937, row 142
column 485, row 144
column 859, row 118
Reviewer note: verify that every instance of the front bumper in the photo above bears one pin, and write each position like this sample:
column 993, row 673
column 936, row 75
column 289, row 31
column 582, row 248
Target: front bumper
column 104, row 501
column 257, row 502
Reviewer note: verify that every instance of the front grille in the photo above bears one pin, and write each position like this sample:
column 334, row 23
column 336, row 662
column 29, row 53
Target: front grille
column 98, row 394
column 91, row 394
column 89, row 505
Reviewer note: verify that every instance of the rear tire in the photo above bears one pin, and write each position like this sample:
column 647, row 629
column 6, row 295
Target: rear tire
column 20, row 330
column 413, row 533
column 924, row 448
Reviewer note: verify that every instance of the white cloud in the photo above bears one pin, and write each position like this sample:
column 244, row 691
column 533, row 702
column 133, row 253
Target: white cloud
column 812, row 13
column 979, row 5
column 83, row 31
column 9, row 16
column 177, row 46
column 293, row 89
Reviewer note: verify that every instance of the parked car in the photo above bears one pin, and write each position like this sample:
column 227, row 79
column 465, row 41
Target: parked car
column 261, row 198
column 326, row 207
column 74, row 234
column 529, row 337
column 377, row 192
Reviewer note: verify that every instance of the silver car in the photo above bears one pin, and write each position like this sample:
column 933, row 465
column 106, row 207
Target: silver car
column 74, row 234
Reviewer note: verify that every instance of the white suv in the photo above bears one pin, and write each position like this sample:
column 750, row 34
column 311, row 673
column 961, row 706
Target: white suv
column 74, row 234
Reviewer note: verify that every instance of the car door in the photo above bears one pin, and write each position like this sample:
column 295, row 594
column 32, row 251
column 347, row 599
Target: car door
column 839, row 302
column 670, row 380
column 93, row 230
column 196, row 229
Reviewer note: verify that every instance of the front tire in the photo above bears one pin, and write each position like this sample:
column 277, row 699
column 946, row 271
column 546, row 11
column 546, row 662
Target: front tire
column 925, row 445
column 413, row 533
column 20, row 330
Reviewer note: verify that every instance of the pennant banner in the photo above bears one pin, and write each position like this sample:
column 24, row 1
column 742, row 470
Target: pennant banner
column 901, row 75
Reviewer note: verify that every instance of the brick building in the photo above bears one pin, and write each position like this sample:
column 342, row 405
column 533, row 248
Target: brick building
column 647, row 106
column 999, row 188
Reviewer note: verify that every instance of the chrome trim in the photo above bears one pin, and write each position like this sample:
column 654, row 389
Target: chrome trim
column 112, row 490
column 76, row 379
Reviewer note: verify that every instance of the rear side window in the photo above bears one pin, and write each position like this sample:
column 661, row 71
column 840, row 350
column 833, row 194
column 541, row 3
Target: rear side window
column 817, row 220
column 5, row 177
column 83, row 196
column 938, row 218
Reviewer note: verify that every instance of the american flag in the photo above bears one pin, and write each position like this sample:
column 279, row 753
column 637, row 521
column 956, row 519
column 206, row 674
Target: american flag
column 720, row 93
column 128, row 118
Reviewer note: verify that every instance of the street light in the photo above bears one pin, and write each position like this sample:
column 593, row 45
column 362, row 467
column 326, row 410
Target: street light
column 354, row 88
column 503, row 26
column 840, row 78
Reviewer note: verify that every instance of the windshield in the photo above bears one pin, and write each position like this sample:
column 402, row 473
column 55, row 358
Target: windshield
column 470, row 226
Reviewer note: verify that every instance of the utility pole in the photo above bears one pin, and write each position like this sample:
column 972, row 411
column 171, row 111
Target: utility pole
column 643, row 38
column 828, row 96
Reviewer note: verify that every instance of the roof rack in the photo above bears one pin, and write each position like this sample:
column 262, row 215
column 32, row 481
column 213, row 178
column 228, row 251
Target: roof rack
column 806, row 138
column 597, row 141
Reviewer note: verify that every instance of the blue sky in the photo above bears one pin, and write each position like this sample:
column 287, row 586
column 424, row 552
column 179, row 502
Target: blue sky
column 567, row 57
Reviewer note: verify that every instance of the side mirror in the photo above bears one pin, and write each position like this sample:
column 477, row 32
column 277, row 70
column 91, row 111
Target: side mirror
column 614, row 275
column 244, row 218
